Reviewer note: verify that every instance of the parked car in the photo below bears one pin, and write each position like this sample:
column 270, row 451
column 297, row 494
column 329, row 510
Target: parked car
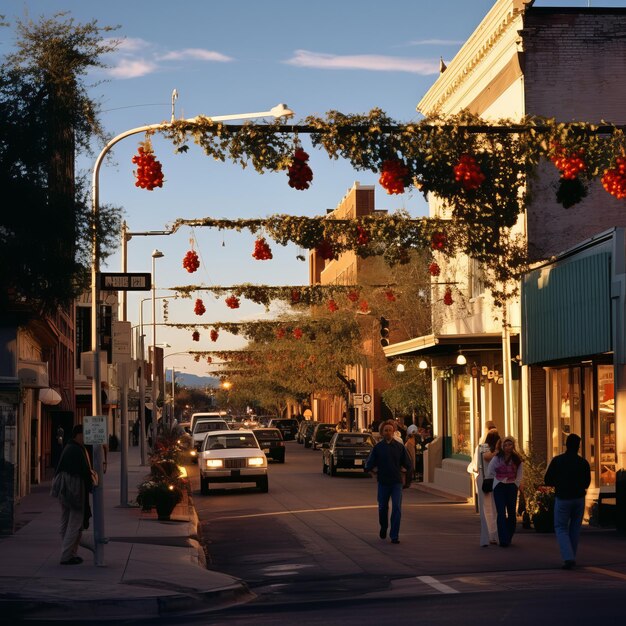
column 346, row 451
column 232, row 456
column 323, row 433
column 308, row 433
column 301, row 429
column 288, row 426
column 203, row 426
column 271, row 442
column 185, row 440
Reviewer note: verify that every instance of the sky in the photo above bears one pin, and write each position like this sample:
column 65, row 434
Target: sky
column 239, row 57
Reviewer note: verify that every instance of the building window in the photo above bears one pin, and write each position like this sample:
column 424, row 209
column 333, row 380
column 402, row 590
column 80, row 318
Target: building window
column 606, row 409
column 457, row 416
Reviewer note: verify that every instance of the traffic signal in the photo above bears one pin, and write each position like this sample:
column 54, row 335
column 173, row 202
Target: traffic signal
column 384, row 331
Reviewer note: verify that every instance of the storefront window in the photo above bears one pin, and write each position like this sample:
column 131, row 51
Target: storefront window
column 461, row 433
column 606, row 438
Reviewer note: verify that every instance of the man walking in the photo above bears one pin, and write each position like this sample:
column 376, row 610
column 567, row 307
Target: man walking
column 570, row 475
column 389, row 460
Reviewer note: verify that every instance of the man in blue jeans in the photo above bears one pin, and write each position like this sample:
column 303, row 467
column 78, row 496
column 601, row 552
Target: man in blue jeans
column 570, row 475
column 391, row 463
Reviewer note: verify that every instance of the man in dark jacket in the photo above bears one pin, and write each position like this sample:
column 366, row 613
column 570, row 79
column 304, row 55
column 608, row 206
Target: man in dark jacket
column 389, row 460
column 74, row 499
column 570, row 474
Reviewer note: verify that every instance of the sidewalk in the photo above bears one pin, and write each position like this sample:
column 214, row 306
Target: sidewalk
column 151, row 568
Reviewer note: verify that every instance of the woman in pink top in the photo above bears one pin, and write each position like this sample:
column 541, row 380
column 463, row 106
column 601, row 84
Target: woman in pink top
column 506, row 470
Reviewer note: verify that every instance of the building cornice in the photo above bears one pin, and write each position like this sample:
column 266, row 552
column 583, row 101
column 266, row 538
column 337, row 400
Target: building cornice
column 503, row 18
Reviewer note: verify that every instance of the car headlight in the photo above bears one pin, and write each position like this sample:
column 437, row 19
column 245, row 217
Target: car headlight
column 256, row 461
column 214, row 463
column 194, row 452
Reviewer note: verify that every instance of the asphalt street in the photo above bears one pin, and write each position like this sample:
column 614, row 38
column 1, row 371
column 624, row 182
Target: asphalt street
column 313, row 542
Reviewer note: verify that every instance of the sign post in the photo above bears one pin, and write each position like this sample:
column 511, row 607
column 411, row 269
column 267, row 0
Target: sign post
column 95, row 434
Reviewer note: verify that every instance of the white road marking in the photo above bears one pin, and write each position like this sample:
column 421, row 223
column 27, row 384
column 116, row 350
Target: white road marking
column 433, row 582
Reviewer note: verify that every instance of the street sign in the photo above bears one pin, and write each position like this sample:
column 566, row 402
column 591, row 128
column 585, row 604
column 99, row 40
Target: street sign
column 121, row 332
column 95, row 429
column 357, row 399
column 367, row 398
column 118, row 281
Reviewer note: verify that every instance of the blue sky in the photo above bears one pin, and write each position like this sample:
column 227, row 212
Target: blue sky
column 234, row 57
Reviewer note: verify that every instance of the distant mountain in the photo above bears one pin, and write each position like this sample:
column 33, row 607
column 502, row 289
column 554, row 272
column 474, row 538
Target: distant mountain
column 192, row 380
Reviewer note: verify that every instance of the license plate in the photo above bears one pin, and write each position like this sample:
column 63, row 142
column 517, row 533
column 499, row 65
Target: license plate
column 358, row 461
column 266, row 449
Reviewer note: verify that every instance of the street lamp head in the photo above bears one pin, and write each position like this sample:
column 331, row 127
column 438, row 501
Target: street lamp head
column 281, row 110
column 157, row 254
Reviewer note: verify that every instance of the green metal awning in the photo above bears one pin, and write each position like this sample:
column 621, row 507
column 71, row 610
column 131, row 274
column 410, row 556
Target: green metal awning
column 434, row 345
column 566, row 309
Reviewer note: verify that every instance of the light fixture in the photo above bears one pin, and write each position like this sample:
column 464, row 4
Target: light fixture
column 423, row 365
column 49, row 396
column 461, row 360
column 400, row 367
column 157, row 254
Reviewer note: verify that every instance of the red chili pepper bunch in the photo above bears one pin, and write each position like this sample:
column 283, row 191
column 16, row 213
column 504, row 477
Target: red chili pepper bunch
column 232, row 302
column 332, row 306
column 614, row 179
column 570, row 165
column 468, row 173
column 297, row 333
column 434, row 269
column 195, row 335
column 295, row 296
column 300, row 174
column 391, row 297
column 214, row 334
column 362, row 236
column 325, row 250
column 191, row 262
column 447, row 297
column 364, row 306
column 148, row 172
column 438, row 241
column 394, row 176
column 280, row 333
column 199, row 308
column 209, row 359
column 353, row 296
column 262, row 251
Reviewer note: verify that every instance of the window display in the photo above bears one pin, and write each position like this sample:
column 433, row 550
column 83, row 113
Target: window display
column 606, row 435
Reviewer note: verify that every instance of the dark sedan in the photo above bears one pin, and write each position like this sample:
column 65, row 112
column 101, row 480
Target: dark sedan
column 271, row 442
column 323, row 433
column 307, row 433
column 288, row 426
column 346, row 451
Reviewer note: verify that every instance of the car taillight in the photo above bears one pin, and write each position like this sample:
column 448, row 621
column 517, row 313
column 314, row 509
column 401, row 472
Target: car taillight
column 281, row 443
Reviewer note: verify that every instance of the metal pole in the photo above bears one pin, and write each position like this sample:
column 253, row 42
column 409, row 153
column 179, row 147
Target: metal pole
column 122, row 373
column 142, row 389
column 173, row 393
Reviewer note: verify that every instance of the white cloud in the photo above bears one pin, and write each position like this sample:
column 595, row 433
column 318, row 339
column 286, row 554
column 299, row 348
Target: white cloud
column 132, row 44
column 194, row 54
column 129, row 68
column 378, row 63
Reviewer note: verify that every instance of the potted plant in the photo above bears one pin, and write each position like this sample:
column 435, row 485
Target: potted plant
column 538, row 498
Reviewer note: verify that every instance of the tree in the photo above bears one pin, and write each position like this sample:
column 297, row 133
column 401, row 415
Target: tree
column 46, row 116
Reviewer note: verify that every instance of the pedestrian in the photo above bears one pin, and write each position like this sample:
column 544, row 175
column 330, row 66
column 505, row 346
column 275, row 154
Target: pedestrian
column 388, row 460
column 570, row 474
column 72, row 484
column 483, row 454
column 506, row 470
column 411, row 446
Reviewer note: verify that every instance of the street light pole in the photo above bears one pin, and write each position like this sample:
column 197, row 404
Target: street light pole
column 156, row 254
column 96, row 402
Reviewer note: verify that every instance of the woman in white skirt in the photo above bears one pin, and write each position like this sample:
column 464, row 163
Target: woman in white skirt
column 478, row 467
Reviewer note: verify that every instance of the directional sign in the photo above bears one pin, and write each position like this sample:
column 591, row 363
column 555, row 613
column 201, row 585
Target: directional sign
column 95, row 429
column 110, row 281
column 121, row 352
column 357, row 399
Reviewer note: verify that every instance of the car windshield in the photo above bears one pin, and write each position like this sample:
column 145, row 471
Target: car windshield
column 267, row 434
column 229, row 442
column 353, row 440
column 205, row 427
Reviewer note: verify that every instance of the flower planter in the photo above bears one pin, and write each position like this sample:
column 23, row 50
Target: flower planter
column 164, row 507
column 544, row 522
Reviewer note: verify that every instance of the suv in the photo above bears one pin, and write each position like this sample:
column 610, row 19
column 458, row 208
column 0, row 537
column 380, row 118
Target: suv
column 217, row 415
column 288, row 427
column 232, row 456
column 201, row 427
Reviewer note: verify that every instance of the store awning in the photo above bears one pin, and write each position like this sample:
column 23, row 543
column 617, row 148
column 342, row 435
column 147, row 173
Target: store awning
column 434, row 345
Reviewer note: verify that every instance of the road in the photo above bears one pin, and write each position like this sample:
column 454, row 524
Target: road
column 311, row 545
